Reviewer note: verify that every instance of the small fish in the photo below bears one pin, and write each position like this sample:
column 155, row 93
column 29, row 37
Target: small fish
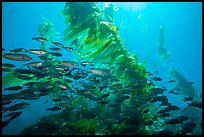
column 177, row 120
column 80, row 74
column 17, row 107
column 7, row 65
column 190, row 83
column 41, row 39
column 34, row 64
column 164, row 115
column 121, row 99
column 169, row 108
column 61, row 68
column 66, row 105
column 148, row 123
column 188, row 98
column 69, row 49
column 156, row 90
column 99, row 71
column 165, row 103
column 64, row 97
column 14, row 88
column 11, row 96
column 58, row 44
column 46, row 101
column 69, row 63
column 159, row 98
column 84, row 63
column 157, row 79
column 29, row 84
column 195, row 104
column 171, row 81
column 14, row 115
column 55, row 49
column 56, row 99
column 17, row 56
column 3, row 49
column 54, row 108
column 23, row 77
column 60, row 85
column 37, row 51
column 18, row 50
column 105, row 95
column 6, row 102
column 171, row 91
column 55, row 54
column 23, row 71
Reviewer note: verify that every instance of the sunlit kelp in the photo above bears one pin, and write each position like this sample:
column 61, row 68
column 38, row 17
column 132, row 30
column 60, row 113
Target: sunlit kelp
column 98, row 41
column 96, row 94
column 110, row 101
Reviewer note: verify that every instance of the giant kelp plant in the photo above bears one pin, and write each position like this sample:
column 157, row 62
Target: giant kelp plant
column 103, row 91
column 98, row 41
column 115, row 100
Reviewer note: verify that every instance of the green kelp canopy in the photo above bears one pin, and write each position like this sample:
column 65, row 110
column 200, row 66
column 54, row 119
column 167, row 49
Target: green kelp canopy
column 91, row 32
column 97, row 40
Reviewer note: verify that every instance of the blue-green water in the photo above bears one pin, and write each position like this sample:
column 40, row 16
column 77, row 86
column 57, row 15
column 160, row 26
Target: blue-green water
column 139, row 28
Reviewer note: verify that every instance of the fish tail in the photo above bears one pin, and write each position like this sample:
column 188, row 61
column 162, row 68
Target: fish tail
column 33, row 38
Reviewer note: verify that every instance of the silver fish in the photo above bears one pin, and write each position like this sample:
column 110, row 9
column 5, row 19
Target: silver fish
column 17, row 56
column 37, row 51
column 69, row 63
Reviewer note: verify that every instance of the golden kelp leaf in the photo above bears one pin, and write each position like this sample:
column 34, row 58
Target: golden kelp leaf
column 110, row 48
column 100, row 49
column 108, row 56
column 93, row 46
column 74, row 34
column 90, row 37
